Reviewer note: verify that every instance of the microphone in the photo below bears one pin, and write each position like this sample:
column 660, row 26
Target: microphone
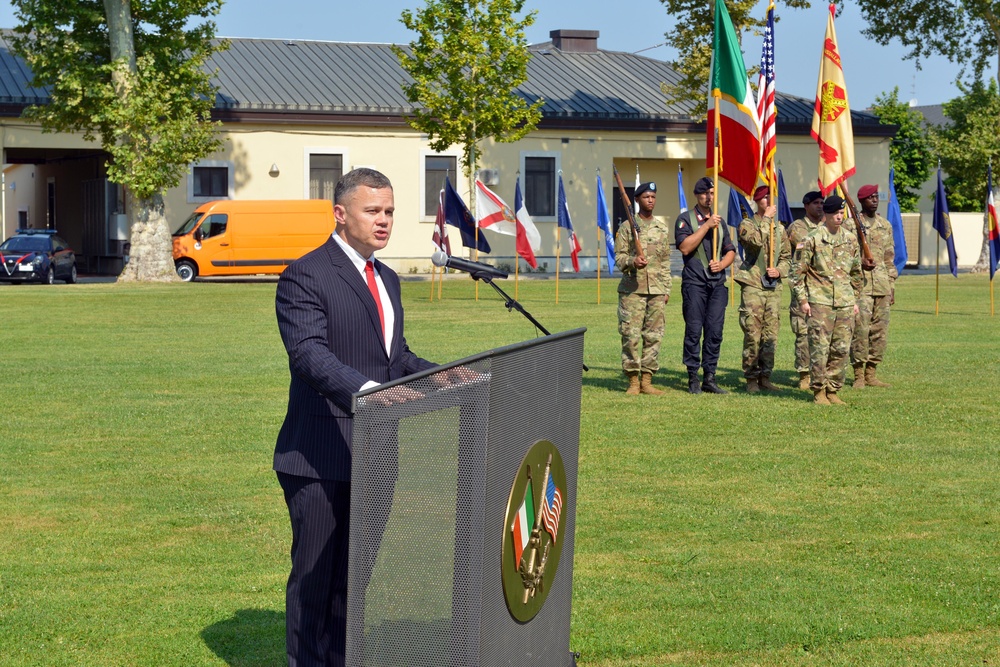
column 476, row 269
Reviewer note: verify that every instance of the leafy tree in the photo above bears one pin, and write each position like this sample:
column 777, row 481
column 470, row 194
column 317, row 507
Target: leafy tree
column 966, row 33
column 129, row 73
column 467, row 60
column 966, row 145
column 694, row 22
column 910, row 149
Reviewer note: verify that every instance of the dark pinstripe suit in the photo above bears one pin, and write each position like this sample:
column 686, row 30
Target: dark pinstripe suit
column 330, row 327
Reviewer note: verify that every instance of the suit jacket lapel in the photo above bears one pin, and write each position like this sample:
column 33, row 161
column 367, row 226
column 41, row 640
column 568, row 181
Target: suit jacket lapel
column 352, row 277
column 391, row 282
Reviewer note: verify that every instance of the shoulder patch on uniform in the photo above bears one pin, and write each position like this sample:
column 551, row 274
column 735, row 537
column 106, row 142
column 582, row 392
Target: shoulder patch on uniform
column 802, row 244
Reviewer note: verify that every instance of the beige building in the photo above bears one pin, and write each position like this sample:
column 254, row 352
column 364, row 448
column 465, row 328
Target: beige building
column 296, row 115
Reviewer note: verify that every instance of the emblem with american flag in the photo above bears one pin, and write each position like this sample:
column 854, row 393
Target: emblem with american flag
column 552, row 508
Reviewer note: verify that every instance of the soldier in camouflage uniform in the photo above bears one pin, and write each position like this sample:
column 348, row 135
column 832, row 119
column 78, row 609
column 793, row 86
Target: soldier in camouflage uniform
column 797, row 232
column 643, row 292
column 825, row 284
column 871, row 327
column 760, row 300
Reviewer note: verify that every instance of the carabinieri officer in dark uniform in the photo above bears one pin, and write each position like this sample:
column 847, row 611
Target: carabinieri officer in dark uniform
column 704, row 294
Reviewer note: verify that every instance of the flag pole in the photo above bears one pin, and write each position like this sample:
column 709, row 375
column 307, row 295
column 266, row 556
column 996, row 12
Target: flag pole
column 599, row 234
column 937, row 275
column 433, row 271
column 715, row 179
column 517, row 265
column 557, row 264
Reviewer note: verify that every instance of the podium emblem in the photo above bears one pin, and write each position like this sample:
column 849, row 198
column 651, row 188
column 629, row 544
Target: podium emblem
column 533, row 534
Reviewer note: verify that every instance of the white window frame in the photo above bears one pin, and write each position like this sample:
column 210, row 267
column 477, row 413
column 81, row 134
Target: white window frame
column 230, row 184
column 424, row 154
column 309, row 151
column 555, row 189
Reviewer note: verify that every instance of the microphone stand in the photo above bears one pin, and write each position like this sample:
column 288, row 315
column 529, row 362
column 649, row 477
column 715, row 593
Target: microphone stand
column 510, row 302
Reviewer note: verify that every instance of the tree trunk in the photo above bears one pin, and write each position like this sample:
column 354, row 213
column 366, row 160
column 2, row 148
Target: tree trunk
column 151, row 258
column 984, row 253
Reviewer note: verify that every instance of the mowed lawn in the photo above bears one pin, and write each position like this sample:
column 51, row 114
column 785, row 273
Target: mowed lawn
column 140, row 522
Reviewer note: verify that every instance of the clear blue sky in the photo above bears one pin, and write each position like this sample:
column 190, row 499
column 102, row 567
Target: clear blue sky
column 869, row 68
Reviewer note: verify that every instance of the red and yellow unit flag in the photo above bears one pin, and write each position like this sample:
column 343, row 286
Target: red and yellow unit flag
column 731, row 98
column 524, row 523
column 831, row 126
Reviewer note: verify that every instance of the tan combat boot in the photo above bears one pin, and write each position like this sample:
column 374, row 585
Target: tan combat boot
column 752, row 386
column 765, row 383
column 633, row 384
column 646, row 386
column 819, row 397
column 804, row 379
column 870, row 378
column 832, row 397
column 859, row 376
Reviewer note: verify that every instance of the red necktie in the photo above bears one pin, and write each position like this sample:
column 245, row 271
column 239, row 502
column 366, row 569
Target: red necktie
column 373, row 288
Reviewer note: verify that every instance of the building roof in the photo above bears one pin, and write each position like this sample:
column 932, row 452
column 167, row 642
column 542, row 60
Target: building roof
column 582, row 86
column 933, row 115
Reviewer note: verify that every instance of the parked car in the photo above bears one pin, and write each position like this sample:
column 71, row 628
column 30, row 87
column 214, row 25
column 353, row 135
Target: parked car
column 37, row 255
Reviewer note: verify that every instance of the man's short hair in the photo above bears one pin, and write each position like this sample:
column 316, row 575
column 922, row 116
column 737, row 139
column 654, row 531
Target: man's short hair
column 356, row 178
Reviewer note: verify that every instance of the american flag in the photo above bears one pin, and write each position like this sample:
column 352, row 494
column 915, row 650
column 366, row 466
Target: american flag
column 440, row 237
column 765, row 101
column 552, row 508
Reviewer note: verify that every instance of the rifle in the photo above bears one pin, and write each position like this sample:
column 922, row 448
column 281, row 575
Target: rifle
column 867, row 260
column 631, row 217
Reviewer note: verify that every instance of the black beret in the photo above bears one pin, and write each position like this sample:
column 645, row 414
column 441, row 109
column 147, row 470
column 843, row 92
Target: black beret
column 703, row 185
column 645, row 187
column 832, row 204
column 810, row 197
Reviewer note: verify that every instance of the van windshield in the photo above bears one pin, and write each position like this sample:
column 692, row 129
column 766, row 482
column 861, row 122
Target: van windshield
column 189, row 224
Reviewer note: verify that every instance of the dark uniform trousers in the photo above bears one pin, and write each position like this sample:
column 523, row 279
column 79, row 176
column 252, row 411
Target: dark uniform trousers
column 704, row 307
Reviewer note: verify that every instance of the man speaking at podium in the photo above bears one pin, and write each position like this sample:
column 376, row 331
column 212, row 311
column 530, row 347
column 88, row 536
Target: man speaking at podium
column 341, row 320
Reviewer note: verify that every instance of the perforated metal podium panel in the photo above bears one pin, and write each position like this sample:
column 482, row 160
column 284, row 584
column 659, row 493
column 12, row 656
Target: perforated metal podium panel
column 431, row 480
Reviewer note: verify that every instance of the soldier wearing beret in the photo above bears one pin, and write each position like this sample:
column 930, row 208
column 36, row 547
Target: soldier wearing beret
column 797, row 232
column 759, row 276
column 643, row 292
column 704, row 294
column 826, row 283
column 871, row 327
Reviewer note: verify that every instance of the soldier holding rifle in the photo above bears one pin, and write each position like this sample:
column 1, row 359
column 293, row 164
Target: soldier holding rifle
column 704, row 294
column 871, row 328
column 766, row 260
column 826, row 283
column 642, row 254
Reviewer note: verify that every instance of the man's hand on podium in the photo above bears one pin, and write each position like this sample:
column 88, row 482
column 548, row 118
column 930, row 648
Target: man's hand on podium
column 456, row 376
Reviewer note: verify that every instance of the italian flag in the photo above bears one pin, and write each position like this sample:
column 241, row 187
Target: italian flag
column 524, row 522
column 737, row 132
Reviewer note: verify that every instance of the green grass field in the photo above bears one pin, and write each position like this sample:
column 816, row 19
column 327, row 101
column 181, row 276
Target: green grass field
column 140, row 522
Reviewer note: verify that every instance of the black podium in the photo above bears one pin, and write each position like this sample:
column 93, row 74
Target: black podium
column 431, row 501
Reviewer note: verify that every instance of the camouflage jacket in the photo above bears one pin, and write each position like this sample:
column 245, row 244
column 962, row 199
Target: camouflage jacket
column 755, row 237
column 799, row 230
column 880, row 281
column 827, row 269
column 655, row 277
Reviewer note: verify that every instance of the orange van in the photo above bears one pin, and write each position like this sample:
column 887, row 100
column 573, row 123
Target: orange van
column 237, row 238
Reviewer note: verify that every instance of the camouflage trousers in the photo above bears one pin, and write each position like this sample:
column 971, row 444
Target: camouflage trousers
column 830, row 331
column 641, row 322
column 800, row 327
column 871, row 330
column 759, row 321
